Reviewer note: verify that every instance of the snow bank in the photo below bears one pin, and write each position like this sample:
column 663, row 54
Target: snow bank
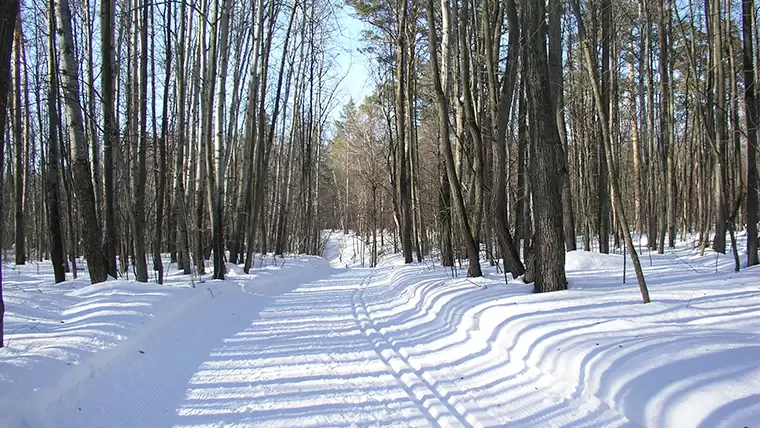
column 584, row 261
column 58, row 336
column 688, row 359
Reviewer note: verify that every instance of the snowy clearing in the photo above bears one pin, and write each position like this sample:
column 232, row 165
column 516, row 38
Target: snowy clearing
column 305, row 344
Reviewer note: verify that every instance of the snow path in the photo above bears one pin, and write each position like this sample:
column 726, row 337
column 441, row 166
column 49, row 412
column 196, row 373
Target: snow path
column 310, row 355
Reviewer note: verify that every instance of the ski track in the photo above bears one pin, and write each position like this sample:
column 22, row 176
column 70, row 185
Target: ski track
column 310, row 356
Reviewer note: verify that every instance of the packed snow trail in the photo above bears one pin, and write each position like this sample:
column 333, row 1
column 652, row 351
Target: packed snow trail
column 309, row 355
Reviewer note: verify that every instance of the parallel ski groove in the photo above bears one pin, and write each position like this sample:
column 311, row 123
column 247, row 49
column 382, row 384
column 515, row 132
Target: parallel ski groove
column 452, row 413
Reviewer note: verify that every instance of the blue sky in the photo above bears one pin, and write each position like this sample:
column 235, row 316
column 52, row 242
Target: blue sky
column 358, row 82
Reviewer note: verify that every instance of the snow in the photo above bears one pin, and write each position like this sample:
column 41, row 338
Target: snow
column 308, row 342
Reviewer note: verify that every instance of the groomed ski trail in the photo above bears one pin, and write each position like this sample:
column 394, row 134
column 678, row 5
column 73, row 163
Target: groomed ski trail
column 308, row 355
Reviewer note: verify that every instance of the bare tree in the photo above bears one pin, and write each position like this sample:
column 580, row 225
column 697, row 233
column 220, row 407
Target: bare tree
column 602, row 112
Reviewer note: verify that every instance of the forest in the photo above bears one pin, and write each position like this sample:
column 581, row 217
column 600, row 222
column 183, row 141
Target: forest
column 508, row 132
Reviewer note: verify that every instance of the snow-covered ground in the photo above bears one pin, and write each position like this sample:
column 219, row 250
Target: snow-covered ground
column 304, row 344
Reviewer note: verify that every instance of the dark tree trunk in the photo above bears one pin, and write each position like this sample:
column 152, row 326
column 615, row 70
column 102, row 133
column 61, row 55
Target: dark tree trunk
column 158, row 264
column 55, row 228
column 546, row 188
column 20, row 149
column 556, row 11
column 404, row 188
column 751, row 118
column 603, row 183
column 8, row 13
column 109, row 132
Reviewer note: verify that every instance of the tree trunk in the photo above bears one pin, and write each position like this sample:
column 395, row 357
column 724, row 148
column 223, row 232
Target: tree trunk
column 636, row 155
column 180, row 203
column 55, row 226
column 8, row 13
column 556, row 11
column 140, row 174
column 91, row 238
column 19, row 148
column 110, row 132
column 509, row 251
column 161, row 171
column 751, row 117
column 546, row 188
column 403, row 173
column 665, row 135
column 221, row 146
column 720, row 172
column 603, row 153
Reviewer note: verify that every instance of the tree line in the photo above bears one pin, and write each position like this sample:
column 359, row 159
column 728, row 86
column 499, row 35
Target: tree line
column 510, row 130
column 531, row 128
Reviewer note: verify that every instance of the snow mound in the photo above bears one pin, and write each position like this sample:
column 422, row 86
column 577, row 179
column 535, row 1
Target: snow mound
column 588, row 261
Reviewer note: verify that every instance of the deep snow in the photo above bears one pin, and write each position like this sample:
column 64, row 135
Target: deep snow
column 308, row 342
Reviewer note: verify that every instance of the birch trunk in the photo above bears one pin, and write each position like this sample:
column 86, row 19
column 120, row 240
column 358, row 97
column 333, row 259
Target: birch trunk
column 91, row 236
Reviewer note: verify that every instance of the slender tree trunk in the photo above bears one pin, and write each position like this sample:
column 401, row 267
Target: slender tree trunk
column 161, row 171
column 140, row 174
column 603, row 154
column 55, row 226
column 751, row 117
column 720, row 172
column 180, row 203
column 503, row 107
column 403, row 173
column 636, row 154
column 19, row 148
column 91, row 119
column 222, row 147
column 664, row 141
column 556, row 11
column 109, row 132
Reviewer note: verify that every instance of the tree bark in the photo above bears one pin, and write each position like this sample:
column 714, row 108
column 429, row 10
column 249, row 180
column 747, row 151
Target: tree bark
column 546, row 188
column 556, row 11
column 110, row 132
column 140, row 173
column 55, row 228
column 720, row 172
column 403, row 182
column 751, row 116
column 161, row 171
column 19, row 148
column 603, row 153
column 180, row 203
column 8, row 13
column 91, row 236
